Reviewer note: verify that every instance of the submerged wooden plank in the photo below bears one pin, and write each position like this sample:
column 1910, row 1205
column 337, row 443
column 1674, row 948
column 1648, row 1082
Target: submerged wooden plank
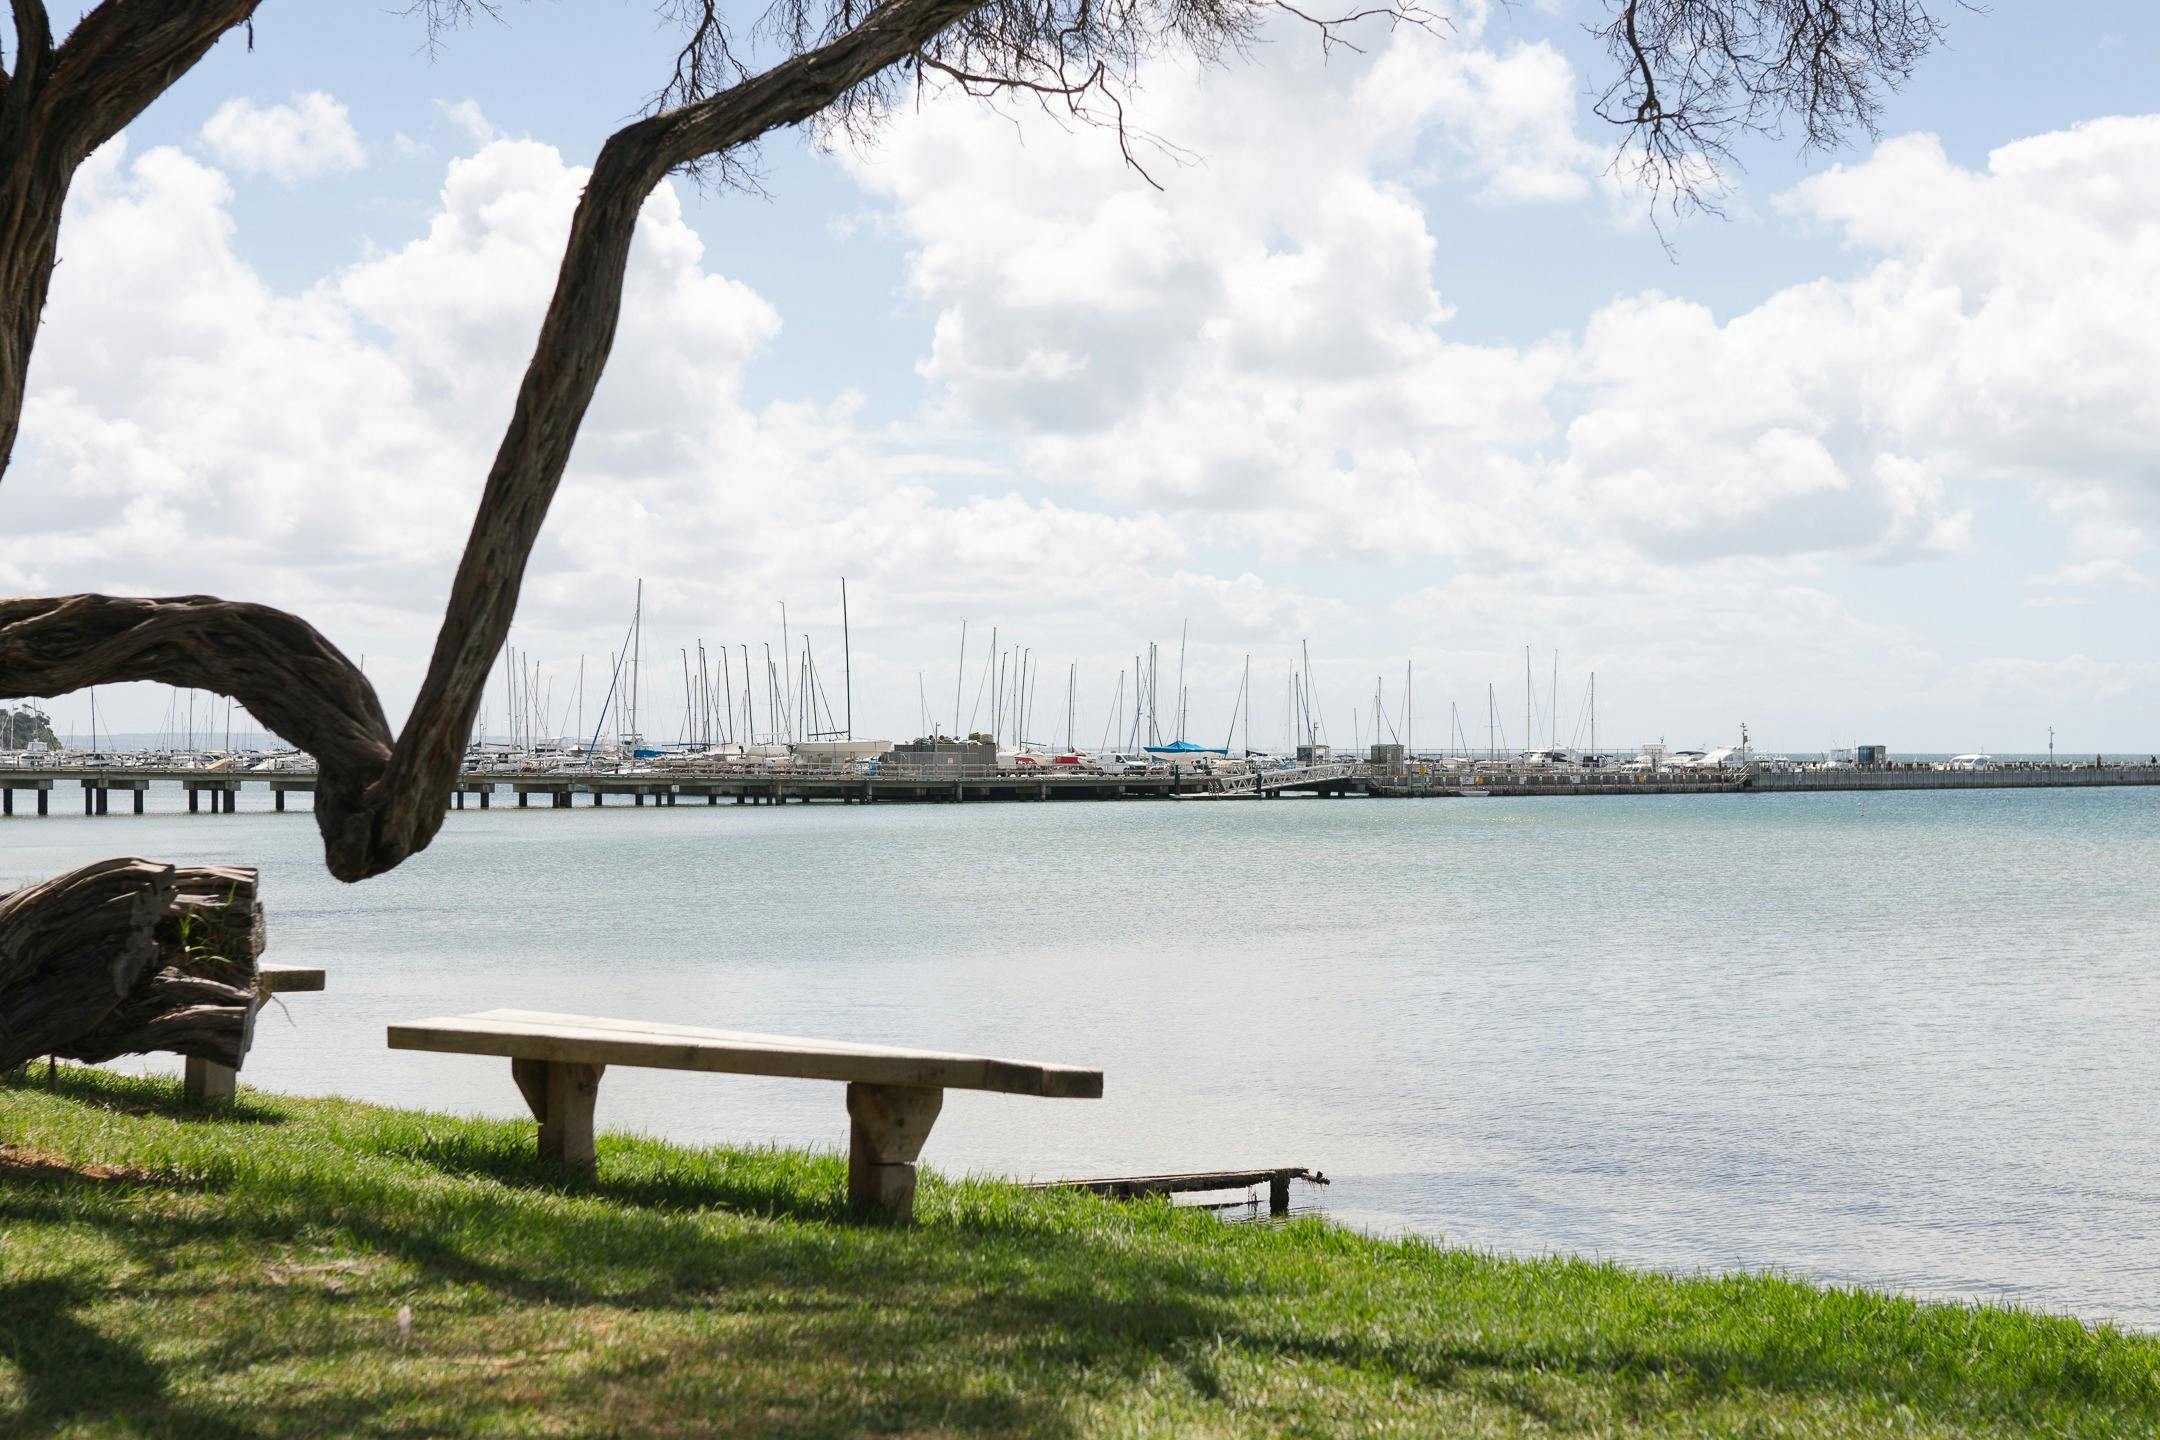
column 1196, row 1181
column 586, row 1039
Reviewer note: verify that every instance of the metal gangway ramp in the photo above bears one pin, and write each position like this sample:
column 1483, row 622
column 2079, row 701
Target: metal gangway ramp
column 1260, row 782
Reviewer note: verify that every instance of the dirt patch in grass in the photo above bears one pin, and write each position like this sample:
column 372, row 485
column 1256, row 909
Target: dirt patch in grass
column 24, row 1162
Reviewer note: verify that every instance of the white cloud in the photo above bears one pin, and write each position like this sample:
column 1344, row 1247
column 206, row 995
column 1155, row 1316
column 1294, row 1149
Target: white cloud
column 2012, row 326
column 465, row 115
column 1507, row 117
column 312, row 136
column 1262, row 346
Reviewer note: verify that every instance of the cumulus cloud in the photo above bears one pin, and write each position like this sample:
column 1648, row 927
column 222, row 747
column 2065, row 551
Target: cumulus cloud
column 1262, row 345
column 2011, row 326
column 311, row 136
column 1265, row 345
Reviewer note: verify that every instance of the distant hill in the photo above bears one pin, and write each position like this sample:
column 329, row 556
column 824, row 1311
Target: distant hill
column 19, row 727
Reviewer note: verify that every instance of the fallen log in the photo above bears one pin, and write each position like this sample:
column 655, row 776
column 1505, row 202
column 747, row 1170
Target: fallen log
column 126, row 956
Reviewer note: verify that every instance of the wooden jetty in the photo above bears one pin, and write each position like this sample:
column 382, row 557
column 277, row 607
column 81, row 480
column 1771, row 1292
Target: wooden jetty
column 1127, row 1187
column 561, row 789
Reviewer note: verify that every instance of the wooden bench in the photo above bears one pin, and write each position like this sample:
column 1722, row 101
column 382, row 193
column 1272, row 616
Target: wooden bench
column 893, row 1095
column 207, row 1079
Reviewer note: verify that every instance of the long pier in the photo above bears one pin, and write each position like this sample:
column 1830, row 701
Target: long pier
column 26, row 790
column 1757, row 780
column 217, row 791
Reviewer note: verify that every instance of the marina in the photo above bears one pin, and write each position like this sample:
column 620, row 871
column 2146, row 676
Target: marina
column 32, row 785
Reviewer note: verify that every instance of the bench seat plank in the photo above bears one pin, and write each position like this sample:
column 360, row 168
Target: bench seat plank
column 594, row 1040
column 285, row 979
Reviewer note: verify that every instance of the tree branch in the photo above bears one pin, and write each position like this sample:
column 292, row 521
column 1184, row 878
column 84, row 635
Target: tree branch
column 123, row 55
column 33, row 42
column 279, row 667
column 1697, row 75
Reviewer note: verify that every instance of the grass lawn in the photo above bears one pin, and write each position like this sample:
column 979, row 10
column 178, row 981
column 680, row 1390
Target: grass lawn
column 166, row 1273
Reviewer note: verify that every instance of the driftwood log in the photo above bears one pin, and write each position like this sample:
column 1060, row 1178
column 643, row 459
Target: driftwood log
column 128, row 956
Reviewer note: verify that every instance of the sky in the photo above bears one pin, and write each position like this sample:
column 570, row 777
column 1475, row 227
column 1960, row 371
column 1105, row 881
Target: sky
column 1390, row 369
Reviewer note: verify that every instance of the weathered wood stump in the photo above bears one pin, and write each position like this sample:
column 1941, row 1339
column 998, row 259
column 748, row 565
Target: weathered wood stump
column 127, row 956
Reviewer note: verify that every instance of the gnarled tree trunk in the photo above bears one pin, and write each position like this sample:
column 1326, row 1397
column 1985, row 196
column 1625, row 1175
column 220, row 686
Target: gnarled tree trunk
column 380, row 800
column 128, row 956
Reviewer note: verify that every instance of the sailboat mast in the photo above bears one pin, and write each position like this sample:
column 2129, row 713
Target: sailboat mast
column 1139, row 701
column 959, row 675
column 847, row 661
column 1312, row 699
column 1183, row 627
column 727, row 684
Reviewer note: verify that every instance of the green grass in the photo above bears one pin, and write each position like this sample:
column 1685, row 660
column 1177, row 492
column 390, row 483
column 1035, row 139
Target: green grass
column 164, row 1272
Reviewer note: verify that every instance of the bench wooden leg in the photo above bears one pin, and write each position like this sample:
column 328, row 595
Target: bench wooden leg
column 208, row 1080
column 888, row 1124
column 561, row 1098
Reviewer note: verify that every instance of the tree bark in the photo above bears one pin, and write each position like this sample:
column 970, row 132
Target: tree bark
column 126, row 956
column 57, row 105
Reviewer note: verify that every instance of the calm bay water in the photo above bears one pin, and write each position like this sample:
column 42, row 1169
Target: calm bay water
column 1910, row 1040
